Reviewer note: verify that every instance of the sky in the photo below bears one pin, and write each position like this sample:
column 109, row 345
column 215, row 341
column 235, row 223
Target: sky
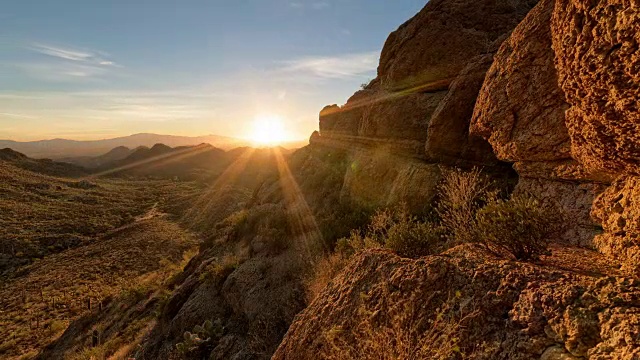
column 94, row 69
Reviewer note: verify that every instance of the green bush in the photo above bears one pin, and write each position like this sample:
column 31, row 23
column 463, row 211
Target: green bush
column 470, row 210
column 522, row 226
column 394, row 229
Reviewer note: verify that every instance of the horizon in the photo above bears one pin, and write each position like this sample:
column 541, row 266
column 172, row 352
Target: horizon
column 136, row 134
column 82, row 71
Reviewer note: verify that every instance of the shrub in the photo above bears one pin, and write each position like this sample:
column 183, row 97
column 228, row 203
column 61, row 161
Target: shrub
column 522, row 226
column 471, row 210
column 394, row 229
column 461, row 194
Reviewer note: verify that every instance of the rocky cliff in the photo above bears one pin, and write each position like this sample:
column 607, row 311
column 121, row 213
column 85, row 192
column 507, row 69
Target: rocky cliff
column 554, row 91
column 415, row 114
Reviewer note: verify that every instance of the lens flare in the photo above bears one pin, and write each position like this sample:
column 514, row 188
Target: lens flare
column 268, row 130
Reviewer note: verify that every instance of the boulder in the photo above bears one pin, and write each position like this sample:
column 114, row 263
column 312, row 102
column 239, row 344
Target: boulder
column 465, row 305
column 520, row 109
column 598, row 62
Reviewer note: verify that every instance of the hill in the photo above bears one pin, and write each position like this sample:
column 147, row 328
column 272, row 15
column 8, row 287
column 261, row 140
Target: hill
column 93, row 162
column 44, row 211
column 61, row 148
column 41, row 166
column 183, row 162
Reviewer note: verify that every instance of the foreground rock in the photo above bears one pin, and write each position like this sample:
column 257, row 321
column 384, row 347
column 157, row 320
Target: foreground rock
column 596, row 47
column 467, row 305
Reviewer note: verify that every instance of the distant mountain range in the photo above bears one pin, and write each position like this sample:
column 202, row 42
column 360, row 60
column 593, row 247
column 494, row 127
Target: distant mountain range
column 62, row 148
column 183, row 162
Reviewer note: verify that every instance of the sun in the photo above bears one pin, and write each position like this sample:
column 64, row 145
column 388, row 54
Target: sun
column 268, row 130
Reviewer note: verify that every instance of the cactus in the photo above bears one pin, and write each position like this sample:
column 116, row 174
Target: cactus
column 202, row 334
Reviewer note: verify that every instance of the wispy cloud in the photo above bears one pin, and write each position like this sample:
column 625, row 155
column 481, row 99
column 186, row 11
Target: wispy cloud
column 334, row 67
column 83, row 56
column 65, row 64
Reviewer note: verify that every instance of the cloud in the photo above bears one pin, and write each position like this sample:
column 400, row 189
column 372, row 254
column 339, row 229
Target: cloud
column 65, row 64
column 334, row 67
column 82, row 56
column 61, row 53
column 61, row 72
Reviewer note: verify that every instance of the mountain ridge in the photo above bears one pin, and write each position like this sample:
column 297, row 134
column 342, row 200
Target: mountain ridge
column 66, row 148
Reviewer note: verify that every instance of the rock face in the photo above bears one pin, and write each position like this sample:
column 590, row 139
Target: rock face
column 521, row 111
column 418, row 64
column 466, row 305
column 436, row 44
column 618, row 210
column 598, row 61
column 448, row 139
column 420, row 105
column 521, row 108
column 596, row 46
column 380, row 179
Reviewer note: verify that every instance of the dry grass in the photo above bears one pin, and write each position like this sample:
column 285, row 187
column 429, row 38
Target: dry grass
column 323, row 272
column 461, row 194
column 404, row 332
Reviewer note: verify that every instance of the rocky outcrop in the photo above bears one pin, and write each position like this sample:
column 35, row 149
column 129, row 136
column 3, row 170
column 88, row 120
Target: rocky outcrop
column 598, row 61
column 466, row 305
column 596, row 45
column 425, row 70
column 521, row 111
column 437, row 43
column 418, row 109
column 560, row 101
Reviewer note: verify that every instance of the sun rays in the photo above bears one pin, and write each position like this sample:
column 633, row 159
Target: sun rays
column 306, row 235
column 269, row 130
column 302, row 222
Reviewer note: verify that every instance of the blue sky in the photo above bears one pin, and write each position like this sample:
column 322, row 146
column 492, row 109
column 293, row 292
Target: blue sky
column 86, row 69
